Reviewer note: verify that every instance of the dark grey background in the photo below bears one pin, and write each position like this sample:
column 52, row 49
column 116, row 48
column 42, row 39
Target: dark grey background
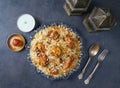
column 16, row 71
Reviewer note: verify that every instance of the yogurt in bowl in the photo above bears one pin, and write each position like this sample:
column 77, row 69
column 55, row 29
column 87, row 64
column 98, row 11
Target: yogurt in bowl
column 26, row 23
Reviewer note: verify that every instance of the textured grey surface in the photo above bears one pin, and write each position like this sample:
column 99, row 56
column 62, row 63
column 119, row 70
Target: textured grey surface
column 16, row 71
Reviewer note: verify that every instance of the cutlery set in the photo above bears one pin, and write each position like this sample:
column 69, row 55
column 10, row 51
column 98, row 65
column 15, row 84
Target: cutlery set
column 93, row 50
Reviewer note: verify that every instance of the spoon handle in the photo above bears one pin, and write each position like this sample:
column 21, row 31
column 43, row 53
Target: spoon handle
column 91, row 75
column 80, row 76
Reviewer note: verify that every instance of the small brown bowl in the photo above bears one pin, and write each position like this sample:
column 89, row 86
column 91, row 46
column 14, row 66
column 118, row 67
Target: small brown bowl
column 11, row 46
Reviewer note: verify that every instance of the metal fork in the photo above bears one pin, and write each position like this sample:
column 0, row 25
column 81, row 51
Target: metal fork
column 100, row 59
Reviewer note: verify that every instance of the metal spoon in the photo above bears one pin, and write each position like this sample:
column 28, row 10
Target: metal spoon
column 100, row 59
column 93, row 50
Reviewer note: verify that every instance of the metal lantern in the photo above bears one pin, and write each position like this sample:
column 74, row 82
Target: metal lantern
column 76, row 7
column 99, row 19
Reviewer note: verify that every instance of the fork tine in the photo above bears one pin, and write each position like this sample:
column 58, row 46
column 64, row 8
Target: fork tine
column 102, row 55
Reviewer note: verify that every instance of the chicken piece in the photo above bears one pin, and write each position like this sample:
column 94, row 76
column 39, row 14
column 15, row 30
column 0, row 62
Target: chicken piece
column 69, row 41
column 55, row 51
column 49, row 32
column 53, row 71
column 53, row 34
column 71, row 45
column 67, row 38
column 43, row 60
column 41, row 47
column 68, row 62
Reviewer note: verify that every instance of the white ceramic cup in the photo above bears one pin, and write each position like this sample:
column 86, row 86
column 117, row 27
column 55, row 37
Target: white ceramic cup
column 26, row 23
